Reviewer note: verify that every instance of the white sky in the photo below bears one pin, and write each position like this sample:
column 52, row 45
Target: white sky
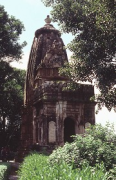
column 32, row 14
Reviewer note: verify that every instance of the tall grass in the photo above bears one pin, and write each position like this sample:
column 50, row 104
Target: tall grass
column 37, row 167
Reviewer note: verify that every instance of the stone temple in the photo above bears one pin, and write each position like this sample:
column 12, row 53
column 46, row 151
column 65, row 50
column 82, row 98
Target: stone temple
column 52, row 112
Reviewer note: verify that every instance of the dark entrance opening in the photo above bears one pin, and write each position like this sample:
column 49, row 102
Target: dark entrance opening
column 69, row 129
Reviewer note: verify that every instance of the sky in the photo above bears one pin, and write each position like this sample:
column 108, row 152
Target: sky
column 32, row 14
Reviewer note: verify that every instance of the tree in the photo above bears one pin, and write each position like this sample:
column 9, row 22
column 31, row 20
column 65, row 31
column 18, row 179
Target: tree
column 11, row 101
column 93, row 25
column 10, row 30
column 11, row 80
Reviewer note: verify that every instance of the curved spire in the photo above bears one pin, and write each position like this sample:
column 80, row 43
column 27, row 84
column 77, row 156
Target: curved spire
column 47, row 52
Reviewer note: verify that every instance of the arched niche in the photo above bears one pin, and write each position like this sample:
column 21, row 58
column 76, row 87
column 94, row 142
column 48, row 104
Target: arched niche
column 69, row 129
column 87, row 125
column 52, row 132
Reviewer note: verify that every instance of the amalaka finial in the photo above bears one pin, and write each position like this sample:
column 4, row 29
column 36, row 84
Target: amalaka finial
column 48, row 19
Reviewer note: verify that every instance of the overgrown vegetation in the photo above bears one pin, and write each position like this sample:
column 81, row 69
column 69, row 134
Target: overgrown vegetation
column 4, row 171
column 91, row 156
column 36, row 167
column 96, row 146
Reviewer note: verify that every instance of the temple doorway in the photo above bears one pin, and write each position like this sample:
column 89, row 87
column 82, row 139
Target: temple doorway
column 69, row 129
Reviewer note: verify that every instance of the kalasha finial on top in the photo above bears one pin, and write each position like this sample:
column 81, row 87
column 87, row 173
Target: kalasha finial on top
column 48, row 19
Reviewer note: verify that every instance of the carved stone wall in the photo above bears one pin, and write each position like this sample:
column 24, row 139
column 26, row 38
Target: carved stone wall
column 49, row 103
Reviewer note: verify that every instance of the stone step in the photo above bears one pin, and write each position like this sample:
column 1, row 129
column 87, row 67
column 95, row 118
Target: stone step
column 13, row 173
column 13, row 177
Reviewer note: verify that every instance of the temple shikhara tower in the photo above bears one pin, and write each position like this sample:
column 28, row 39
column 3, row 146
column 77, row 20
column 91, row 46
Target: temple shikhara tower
column 52, row 112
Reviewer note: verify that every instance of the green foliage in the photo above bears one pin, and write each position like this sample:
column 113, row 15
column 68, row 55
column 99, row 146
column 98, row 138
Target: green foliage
column 11, row 101
column 10, row 30
column 33, row 167
column 96, row 146
column 92, row 156
column 4, row 171
column 11, row 80
column 93, row 25
column 36, row 167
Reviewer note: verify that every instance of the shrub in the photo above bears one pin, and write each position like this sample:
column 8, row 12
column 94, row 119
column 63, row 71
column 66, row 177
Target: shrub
column 4, row 171
column 36, row 167
column 91, row 156
column 96, row 146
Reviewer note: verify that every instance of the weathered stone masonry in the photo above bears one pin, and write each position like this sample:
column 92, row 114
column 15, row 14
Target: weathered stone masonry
column 52, row 113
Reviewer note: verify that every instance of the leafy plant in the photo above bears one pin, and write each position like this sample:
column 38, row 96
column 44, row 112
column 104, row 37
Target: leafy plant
column 4, row 171
column 96, row 146
column 37, row 167
column 91, row 156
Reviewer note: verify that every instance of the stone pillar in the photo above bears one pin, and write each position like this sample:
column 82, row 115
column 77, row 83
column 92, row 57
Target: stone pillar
column 45, row 130
column 60, row 116
column 52, row 132
column 34, row 131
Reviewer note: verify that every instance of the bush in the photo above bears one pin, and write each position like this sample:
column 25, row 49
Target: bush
column 36, row 167
column 91, row 156
column 96, row 146
column 4, row 171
